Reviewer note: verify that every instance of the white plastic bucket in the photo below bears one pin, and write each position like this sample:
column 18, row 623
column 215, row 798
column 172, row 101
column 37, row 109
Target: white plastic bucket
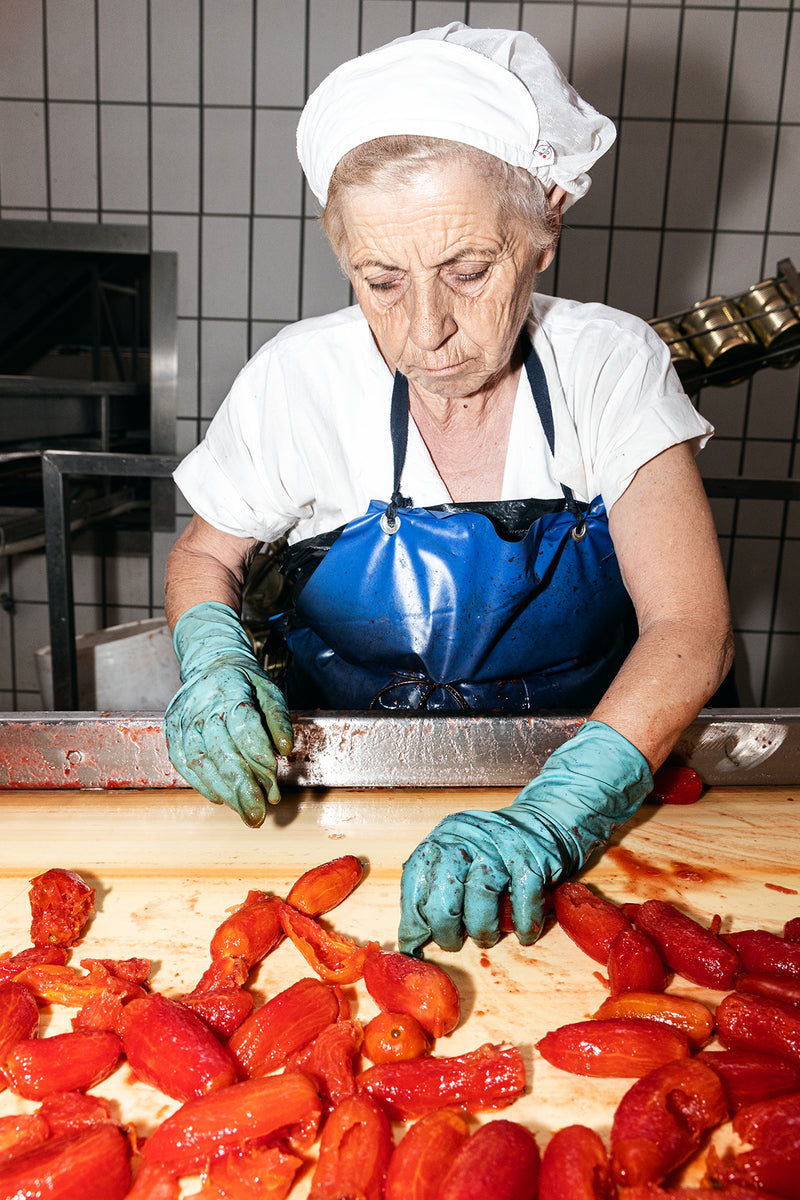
column 125, row 668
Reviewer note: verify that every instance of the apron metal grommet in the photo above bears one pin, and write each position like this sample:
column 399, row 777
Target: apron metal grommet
column 578, row 532
column 389, row 526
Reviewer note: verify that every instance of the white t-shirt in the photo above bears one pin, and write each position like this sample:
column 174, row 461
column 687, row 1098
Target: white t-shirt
column 301, row 444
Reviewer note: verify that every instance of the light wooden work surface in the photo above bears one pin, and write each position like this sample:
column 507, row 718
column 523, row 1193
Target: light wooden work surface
column 167, row 865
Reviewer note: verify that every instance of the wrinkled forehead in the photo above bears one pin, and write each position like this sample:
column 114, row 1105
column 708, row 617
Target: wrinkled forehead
column 446, row 212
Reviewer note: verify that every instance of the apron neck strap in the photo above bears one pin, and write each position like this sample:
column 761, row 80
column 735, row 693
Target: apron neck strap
column 539, row 389
column 398, row 425
column 399, row 416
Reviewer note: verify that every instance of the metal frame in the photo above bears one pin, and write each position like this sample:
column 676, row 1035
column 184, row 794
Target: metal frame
column 56, row 466
column 733, row 747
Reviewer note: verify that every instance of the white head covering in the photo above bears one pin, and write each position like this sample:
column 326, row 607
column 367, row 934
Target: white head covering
column 496, row 89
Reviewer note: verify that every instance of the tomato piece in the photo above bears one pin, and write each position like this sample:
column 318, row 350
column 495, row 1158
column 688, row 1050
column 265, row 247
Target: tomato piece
column 128, row 970
column 285, row 1024
column 763, row 1173
column 661, row 1120
column 634, row 964
column 66, row 1112
column 325, row 887
column 675, row 784
column 21, row 1133
column 689, row 1016
column 394, row 1037
column 687, row 948
column 354, row 1152
column 748, row 1022
column 766, row 953
column 490, row 1077
column 749, row 1076
column 61, row 904
column 52, row 984
column 500, row 1160
column 34, row 956
column 329, row 1060
column 576, row 1166
column 588, row 919
column 235, row 1119
column 170, row 1048
column 63, row 1063
column 222, row 1011
column 92, row 1164
column 250, row 932
column 153, row 1182
column 424, row 1154
column 399, row 983
column 227, row 971
column 624, row 1049
column 263, row 1173
column 19, row 1016
column 775, row 987
column 791, row 930
column 335, row 958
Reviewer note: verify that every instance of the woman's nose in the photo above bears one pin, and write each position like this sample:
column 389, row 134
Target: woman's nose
column 431, row 321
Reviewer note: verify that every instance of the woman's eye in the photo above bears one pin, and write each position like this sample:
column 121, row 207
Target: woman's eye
column 472, row 276
column 382, row 285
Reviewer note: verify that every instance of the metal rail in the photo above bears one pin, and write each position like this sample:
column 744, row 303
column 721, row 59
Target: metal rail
column 56, row 466
column 730, row 747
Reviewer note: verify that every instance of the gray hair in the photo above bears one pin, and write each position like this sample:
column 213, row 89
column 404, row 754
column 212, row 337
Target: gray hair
column 391, row 162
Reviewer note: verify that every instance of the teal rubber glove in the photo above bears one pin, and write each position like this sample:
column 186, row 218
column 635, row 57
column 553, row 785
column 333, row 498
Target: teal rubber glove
column 225, row 724
column 452, row 882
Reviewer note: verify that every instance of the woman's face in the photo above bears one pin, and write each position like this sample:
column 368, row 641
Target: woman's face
column 442, row 279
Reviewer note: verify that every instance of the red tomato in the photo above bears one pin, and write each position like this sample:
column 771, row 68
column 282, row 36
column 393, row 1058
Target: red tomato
column 394, row 1037
column 675, row 785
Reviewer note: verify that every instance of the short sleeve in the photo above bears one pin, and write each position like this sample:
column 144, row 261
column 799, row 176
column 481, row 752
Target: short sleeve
column 617, row 399
column 237, row 478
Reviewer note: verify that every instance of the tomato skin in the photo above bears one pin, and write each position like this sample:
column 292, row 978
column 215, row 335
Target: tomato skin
column 326, row 886
column 493, row 1076
column 283, row 1025
column 399, row 983
column 591, row 921
column 634, row 964
column 354, row 1152
column 172, row 1049
column 250, row 932
column 394, row 1037
column 575, row 1166
column 90, row 1164
column 687, row 948
column 424, row 1154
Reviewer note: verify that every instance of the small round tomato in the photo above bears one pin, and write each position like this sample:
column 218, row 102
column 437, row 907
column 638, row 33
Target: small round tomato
column 673, row 784
column 394, row 1037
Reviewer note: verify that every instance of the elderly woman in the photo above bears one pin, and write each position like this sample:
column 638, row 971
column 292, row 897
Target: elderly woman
column 490, row 497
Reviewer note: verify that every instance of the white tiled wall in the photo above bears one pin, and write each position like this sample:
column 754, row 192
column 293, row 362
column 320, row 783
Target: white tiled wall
column 181, row 114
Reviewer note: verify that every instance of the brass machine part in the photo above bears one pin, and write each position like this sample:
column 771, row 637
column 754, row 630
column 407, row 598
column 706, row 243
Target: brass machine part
column 721, row 338
column 684, row 359
column 768, row 305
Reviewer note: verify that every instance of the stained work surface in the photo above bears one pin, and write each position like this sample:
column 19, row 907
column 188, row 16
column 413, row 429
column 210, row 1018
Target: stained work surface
column 168, row 866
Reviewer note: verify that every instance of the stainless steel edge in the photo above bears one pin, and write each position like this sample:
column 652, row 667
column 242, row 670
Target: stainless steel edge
column 756, row 748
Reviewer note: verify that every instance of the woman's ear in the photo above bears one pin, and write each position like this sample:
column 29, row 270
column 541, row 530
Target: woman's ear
column 556, row 199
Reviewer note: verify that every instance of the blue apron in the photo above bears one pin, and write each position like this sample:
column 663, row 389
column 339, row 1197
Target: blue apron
column 509, row 605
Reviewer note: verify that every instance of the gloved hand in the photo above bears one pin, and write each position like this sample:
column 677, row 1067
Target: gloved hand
column 452, row 882
column 226, row 722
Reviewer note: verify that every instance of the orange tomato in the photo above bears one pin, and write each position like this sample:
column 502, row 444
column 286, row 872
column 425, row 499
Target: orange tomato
column 394, row 1037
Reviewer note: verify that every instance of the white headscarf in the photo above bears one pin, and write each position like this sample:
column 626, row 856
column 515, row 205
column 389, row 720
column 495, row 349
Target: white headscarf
column 496, row 89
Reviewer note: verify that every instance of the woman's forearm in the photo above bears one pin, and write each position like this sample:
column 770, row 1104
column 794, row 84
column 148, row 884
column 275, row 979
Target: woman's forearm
column 672, row 671
column 205, row 564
